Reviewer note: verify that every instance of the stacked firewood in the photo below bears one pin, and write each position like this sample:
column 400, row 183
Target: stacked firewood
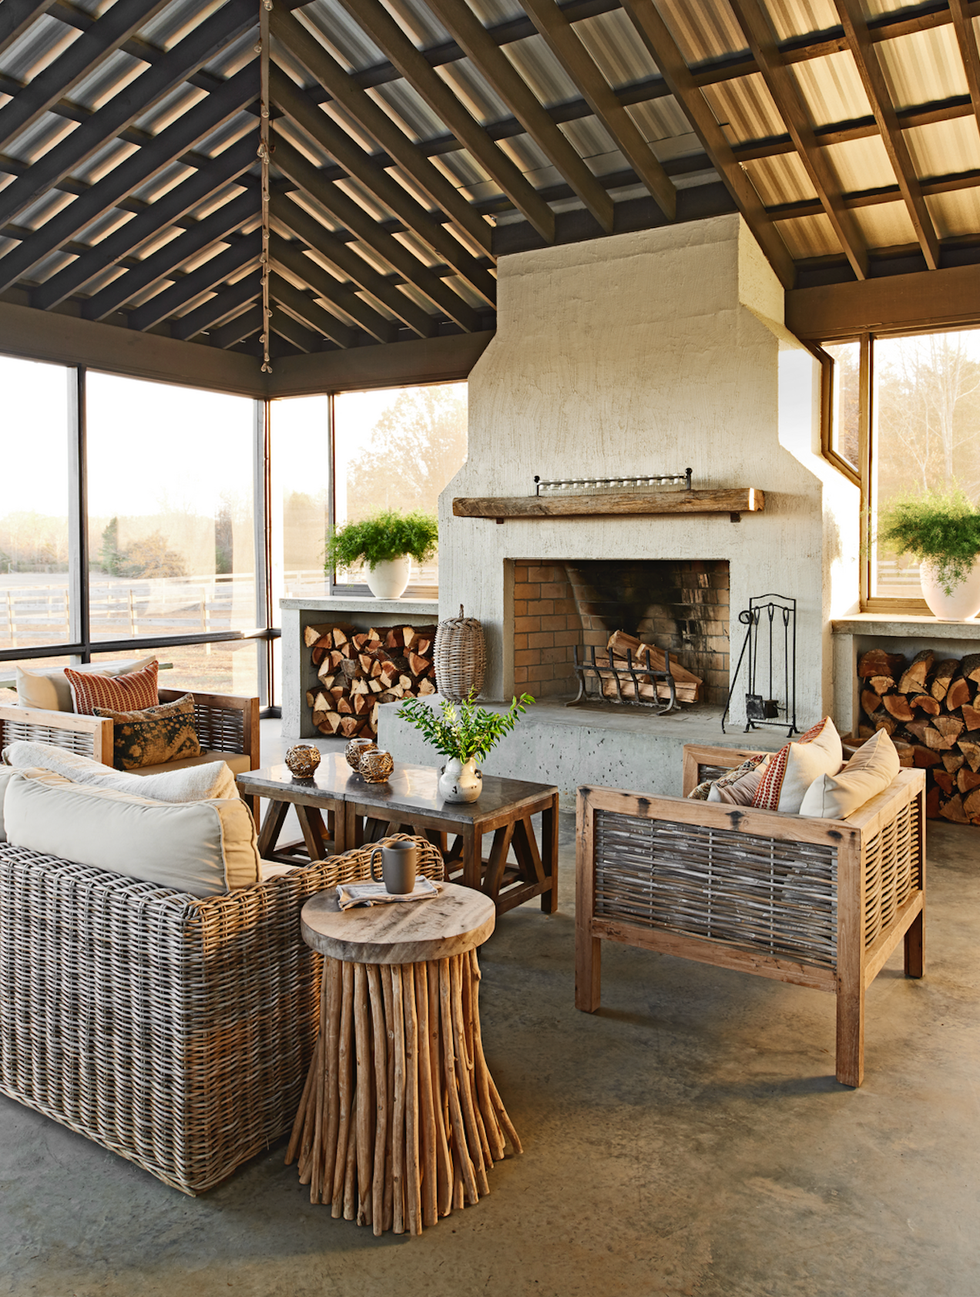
column 687, row 687
column 928, row 709
column 357, row 671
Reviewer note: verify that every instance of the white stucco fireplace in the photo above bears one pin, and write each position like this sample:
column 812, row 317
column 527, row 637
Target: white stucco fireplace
column 643, row 354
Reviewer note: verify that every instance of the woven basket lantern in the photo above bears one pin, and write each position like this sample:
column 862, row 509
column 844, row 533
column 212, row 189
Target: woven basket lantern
column 460, row 657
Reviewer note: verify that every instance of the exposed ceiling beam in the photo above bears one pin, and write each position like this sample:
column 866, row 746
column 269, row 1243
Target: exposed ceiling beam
column 161, row 264
column 872, row 78
column 237, row 329
column 303, row 225
column 301, row 305
column 104, row 36
column 172, row 141
column 668, row 57
column 304, row 174
column 203, row 43
column 388, row 192
column 896, row 303
column 150, row 220
column 781, row 84
column 485, row 54
column 16, row 16
column 225, row 303
column 289, row 259
column 179, row 295
column 389, row 37
column 564, row 43
column 295, row 333
column 967, row 41
column 328, row 73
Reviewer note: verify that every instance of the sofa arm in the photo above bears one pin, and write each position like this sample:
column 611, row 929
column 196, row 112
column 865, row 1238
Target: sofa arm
column 89, row 736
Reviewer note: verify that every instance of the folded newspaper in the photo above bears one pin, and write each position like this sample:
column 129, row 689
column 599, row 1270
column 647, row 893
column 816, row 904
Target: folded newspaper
column 351, row 894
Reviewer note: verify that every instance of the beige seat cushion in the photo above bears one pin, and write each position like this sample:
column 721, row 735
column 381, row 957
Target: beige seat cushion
column 206, row 848
column 48, row 687
column 238, row 763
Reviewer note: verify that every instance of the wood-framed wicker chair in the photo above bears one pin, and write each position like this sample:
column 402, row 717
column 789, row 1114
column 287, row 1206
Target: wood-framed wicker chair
column 817, row 902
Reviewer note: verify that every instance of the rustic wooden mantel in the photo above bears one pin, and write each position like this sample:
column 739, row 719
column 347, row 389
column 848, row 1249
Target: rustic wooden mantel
column 739, row 500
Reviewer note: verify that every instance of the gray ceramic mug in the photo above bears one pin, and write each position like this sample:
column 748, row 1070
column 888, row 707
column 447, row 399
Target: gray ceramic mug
column 399, row 862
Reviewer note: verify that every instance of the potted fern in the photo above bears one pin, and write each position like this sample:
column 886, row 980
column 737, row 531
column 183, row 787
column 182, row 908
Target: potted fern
column 941, row 530
column 463, row 733
column 386, row 543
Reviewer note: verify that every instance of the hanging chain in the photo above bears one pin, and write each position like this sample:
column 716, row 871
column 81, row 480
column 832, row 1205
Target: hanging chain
column 264, row 154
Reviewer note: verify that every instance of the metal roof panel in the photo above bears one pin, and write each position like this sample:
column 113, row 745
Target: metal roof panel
column 924, row 67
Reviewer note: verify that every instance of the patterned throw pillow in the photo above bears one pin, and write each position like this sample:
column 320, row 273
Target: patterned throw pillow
column 703, row 792
column 153, row 736
column 795, row 766
column 133, row 692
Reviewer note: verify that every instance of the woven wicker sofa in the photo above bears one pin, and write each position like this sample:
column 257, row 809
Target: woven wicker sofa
column 174, row 1031
column 817, row 902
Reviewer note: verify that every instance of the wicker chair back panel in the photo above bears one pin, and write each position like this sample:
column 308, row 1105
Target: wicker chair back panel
column 80, row 741
column 752, row 892
column 218, row 729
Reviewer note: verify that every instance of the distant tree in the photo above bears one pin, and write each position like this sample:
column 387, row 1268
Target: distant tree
column 150, row 557
column 224, row 542
column 417, row 445
column 109, row 555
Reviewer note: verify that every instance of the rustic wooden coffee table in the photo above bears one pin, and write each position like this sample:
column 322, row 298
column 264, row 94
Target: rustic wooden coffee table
column 519, row 865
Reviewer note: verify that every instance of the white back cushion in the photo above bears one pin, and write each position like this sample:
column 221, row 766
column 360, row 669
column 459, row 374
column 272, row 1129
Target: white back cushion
column 48, row 687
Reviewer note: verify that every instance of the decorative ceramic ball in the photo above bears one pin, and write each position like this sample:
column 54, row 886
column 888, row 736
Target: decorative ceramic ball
column 376, row 766
column 302, row 759
column 356, row 748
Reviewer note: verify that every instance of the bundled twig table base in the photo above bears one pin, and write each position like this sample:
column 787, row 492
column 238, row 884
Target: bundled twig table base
column 400, row 1119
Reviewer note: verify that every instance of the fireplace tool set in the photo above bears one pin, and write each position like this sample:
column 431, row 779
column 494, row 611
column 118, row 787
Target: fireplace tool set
column 768, row 652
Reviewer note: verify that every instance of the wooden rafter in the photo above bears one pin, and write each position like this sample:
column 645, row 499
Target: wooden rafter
column 150, row 220
column 129, row 174
column 104, row 36
column 289, row 259
column 331, row 197
column 566, row 46
column 294, row 103
column 179, row 296
column 412, row 65
column 222, row 306
column 967, row 41
column 237, row 329
column 485, row 54
column 344, row 89
column 290, row 216
column 227, row 219
column 665, row 51
column 781, row 84
column 301, row 305
column 203, row 43
column 872, row 78
column 16, row 16
column 295, row 332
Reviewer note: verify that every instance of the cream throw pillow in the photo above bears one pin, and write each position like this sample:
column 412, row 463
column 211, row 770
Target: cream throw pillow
column 192, row 784
column 869, row 772
column 48, row 687
column 7, row 773
column 204, row 848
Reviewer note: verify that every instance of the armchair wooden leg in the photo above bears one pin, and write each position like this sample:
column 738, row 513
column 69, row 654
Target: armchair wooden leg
column 914, row 948
column 588, row 970
column 850, row 1032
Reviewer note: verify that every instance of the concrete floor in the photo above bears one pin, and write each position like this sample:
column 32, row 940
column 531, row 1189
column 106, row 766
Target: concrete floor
column 687, row 1139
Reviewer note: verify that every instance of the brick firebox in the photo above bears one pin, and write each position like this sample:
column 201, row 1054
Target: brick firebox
column 680, row 605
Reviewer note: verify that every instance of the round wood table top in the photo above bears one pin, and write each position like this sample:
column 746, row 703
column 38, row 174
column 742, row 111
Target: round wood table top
column 407, row 932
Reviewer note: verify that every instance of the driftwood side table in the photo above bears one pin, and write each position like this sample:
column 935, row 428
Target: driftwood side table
column 400, row 1120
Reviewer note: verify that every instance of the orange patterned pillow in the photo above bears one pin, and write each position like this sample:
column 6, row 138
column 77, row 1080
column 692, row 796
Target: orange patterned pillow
column 129, row 693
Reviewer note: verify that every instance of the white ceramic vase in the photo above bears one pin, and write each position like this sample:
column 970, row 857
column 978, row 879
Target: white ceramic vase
column 460, row 781
column 961, row 605
column 388, row 580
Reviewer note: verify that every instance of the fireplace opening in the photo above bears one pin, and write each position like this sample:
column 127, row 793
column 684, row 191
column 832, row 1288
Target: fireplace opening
column 677, row 605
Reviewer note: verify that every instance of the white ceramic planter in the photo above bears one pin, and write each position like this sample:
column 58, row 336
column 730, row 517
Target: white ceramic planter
column 961, row 605
column 460, row 781
column 388, row 580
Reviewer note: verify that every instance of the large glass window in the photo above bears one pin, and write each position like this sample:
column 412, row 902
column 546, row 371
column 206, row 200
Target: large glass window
column 34, row 486
column 397, row 449
column 300, row 455
column 171, row 526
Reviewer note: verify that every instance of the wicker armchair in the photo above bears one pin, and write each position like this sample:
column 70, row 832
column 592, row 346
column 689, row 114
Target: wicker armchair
column 173, row 1031
column 821, row 903
column 224, row 724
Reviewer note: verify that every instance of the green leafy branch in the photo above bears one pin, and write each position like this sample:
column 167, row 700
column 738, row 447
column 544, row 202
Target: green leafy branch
column 463, row 731
column 938, row 527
